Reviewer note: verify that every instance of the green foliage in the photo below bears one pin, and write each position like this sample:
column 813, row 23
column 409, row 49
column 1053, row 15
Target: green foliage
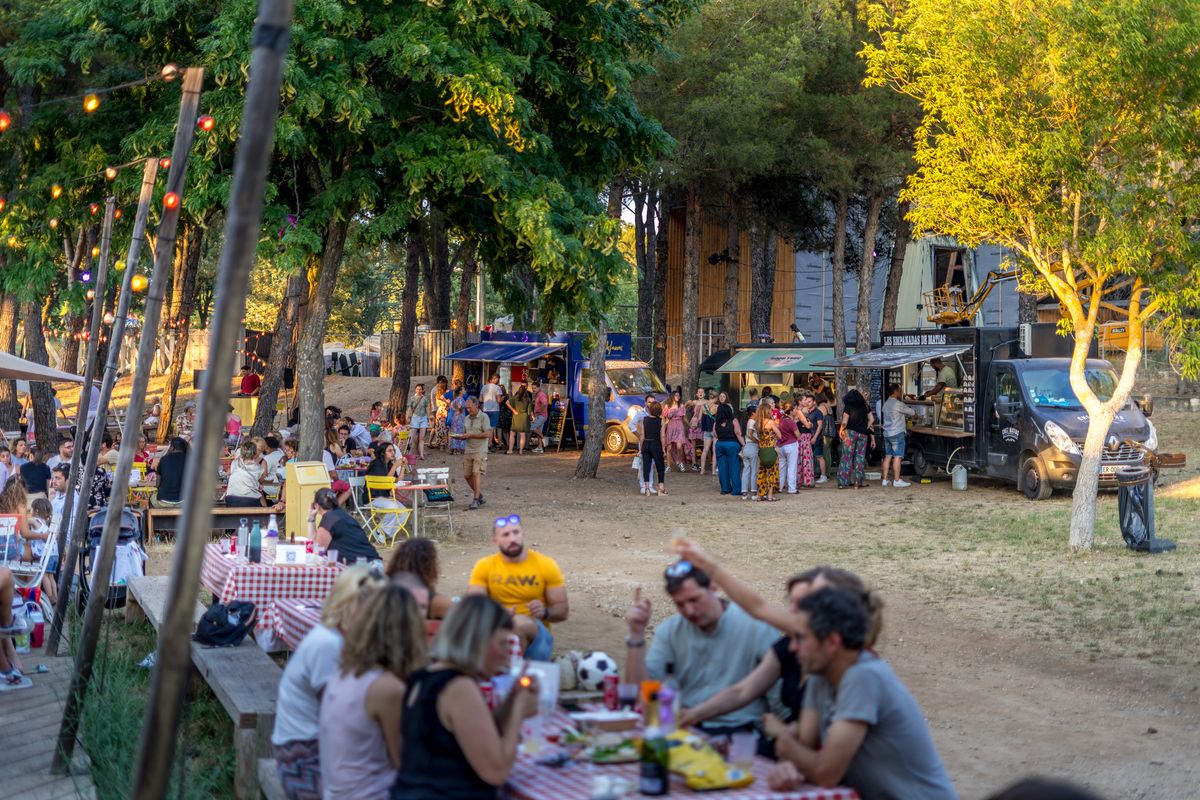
column 1064, row 130
column 508, row 116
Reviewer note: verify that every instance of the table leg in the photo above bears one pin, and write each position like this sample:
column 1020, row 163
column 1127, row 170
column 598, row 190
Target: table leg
column 416, row 513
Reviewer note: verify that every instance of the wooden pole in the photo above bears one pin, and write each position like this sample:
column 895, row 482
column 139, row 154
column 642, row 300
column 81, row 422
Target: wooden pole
column 79, row 486
column 102, row 569
column 243, row 220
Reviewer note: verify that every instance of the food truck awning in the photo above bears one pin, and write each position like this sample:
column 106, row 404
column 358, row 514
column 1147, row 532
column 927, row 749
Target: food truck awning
column 776, row 359
column 892, row 357
column 508, row 352
column 14, row 368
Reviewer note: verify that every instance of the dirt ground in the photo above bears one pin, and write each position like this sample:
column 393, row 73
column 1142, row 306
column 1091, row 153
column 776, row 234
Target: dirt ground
column 1003, row 697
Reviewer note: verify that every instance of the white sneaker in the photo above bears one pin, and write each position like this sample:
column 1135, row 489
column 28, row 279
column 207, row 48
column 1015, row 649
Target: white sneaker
column 653, row 490
column 900, row 484
column 822, row 479
column 887, row 483
column 642, row 489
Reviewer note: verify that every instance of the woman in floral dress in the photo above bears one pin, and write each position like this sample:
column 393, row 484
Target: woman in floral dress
column 768, row 435
column 676, row 442
column 695, row 417
column 441, row 405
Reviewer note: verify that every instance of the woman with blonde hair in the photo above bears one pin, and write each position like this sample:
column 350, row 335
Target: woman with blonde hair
column 363, row 704
column 297, row 711
column 768, row 454
column 447, row 753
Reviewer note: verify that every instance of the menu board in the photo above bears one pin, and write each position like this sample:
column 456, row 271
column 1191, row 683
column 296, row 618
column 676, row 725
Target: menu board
column 967, row 390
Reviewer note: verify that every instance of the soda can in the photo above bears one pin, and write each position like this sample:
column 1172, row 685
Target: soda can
column 611, row 699
column 488, row 694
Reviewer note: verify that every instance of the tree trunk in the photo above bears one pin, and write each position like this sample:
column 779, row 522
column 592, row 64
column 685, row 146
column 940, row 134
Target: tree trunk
column 863, row 327
column 187, row 250
column 75, row 322
column 462, row 310
column 763, row 245
column 10, row 409
column 593, row 443
column 440, row 271
column 733, row 267
column 281, row 345
column 891, row 292
column 659, row 247
column 310, row 360
column 644, row 236
column 689, row 361
column 45, row 424
column 841, row 210
column 403, row 347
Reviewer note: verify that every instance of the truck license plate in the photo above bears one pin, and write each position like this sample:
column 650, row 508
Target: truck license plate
column 1109, row 469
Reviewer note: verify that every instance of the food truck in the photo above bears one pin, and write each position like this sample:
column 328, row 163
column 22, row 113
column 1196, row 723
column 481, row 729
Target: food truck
column 560, row 362
column 784, row 369
column 1014, row 415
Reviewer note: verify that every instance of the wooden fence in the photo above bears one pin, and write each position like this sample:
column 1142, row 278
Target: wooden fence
column 430, row 349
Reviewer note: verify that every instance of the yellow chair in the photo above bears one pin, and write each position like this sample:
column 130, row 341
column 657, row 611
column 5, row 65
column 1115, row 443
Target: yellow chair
column 387, row 521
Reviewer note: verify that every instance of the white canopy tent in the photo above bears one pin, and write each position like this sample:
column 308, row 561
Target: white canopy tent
column 13, row 368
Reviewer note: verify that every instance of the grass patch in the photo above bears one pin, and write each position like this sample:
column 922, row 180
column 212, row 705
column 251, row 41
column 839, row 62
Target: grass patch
column 112, row 722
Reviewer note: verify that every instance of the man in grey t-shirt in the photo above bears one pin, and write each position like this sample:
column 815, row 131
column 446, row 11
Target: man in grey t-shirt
column 869, row 727
column 709, row 645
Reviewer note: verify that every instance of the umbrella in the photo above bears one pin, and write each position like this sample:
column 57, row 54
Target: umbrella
column 13, row 368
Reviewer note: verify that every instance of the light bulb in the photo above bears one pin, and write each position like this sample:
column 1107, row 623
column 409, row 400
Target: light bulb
column 55, row 192
column 108, row 318
column 91, row 102
column 53, row 223
column 110, row 173
column 206, row 123
column 95, row 252
column 170, row 72
column 170, row 200
column 5, row 121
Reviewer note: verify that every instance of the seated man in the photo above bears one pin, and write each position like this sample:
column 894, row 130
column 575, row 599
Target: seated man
column 709, row 645
column 869, row 728
column 528, row 583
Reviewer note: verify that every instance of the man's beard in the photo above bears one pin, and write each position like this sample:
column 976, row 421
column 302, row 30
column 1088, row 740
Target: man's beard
column 513, row 550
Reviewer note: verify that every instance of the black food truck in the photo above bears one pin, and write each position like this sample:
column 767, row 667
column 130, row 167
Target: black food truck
column 1013, row 415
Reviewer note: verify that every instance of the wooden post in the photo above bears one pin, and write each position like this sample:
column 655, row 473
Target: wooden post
column 90, row 631
column 75, row 519
column 243, row 220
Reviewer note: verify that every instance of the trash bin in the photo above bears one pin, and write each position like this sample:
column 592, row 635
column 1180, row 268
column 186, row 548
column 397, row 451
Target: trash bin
column 303, row 480
column 1135, row 507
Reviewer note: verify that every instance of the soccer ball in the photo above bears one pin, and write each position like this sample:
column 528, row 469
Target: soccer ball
column 592, row 669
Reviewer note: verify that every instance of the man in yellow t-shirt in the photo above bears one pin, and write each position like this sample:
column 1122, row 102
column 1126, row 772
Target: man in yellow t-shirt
column 529, row 584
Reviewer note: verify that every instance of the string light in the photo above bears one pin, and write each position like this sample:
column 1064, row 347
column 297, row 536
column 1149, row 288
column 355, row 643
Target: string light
column 95, row 252
column 3, row 203
column 170, row 72
column 5, row 121
column 117, row 214
column 12, row 242
column 91, row 102
column 55, row 192
column 94, row 208
column 85, row 276
column 119, row 266
column 110, row 173
column 171, row 200
column 164, row 163
column 53, row 223
column 206, row 123
column 91, row 294
column 139, row 283
column 108, row 318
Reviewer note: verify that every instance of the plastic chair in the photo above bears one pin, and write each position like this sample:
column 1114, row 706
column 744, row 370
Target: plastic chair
column 438, row 475
column 26, row 574
column 386, row 521
column 358, row 487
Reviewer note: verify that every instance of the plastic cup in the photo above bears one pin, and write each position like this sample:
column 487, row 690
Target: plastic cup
column 742, row 748
column 333, row 556
column 627, row 695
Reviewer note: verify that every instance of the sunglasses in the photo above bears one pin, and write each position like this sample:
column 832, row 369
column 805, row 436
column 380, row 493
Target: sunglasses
column 504, row 522
column 679, row 569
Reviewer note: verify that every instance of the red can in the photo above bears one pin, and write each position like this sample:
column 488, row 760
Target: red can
column 308, row 546
column 489, row 696
column 611, row 698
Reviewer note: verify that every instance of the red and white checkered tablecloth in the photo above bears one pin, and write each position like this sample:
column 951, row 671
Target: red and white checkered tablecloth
column 532, row 781
column 294, row 619
column 230, row 578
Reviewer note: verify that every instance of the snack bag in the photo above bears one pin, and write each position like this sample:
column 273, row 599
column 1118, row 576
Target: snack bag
column 702, row 766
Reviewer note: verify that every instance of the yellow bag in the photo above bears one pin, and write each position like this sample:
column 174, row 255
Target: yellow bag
column 702, row 766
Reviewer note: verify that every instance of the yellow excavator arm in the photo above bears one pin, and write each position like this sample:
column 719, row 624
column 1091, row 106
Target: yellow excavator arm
column 949, row 305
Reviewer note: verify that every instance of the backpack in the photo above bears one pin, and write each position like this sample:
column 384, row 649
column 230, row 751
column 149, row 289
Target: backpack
column 226, row 625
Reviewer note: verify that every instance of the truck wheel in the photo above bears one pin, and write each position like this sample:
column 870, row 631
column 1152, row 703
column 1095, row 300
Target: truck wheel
column 1034, row 482
column 615, row 441
column 920, row 464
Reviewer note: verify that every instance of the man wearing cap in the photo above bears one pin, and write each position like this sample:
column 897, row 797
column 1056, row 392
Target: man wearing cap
column 527, row 583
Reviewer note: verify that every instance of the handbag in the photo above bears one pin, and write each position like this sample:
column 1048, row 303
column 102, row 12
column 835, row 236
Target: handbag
column 226, row 625
column 637, row 462
column 767, row 456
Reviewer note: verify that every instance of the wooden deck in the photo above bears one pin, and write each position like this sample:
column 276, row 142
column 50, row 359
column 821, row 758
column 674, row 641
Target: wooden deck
column 29, row 720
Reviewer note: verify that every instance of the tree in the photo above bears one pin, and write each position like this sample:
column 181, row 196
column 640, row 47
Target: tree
column 1066, row 133
column 187, row 254
column 891, row 293
column 403, row 347
column 281, row 350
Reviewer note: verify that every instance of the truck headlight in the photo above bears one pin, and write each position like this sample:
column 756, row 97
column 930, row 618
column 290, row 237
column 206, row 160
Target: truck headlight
column 1151, row 442
column 1058, row 437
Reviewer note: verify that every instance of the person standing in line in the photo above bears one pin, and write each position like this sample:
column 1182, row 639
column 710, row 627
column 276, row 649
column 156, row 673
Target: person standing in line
column 768, row 437
column 819, row 437
column 750, row 457
column 458, row 415
column 856, row 436
column 439, row 429
column 650, row 447
column 695, row 416
column 804, row 459
column 541, row 413
column 708, row 421
column 489, row 401
column 519, row 404
column 895, row 415
column 679, row 447
column 728, row 447
column 788, row 447
column 477, row 432
column 418, row 420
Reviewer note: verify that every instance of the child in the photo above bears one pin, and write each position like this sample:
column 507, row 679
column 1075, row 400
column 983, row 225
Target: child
column 40, row 533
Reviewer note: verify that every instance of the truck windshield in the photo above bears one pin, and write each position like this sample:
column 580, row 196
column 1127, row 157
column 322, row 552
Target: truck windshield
column 636, row 381
column 1051, row 388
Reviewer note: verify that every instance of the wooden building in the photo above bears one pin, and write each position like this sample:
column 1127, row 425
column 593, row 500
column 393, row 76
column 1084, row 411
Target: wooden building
column 713, row 239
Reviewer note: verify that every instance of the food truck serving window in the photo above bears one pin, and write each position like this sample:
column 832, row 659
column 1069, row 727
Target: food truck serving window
column 1051, row 387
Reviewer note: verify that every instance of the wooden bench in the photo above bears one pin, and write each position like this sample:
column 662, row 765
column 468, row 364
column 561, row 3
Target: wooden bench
column 244, row 679
column 162, row 520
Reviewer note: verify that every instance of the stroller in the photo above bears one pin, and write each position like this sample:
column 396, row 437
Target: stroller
column 128, row 560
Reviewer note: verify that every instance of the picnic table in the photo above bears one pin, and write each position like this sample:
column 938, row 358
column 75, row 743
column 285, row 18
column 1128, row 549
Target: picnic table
column 574, row 781
column 295, row 618
column 230, row 578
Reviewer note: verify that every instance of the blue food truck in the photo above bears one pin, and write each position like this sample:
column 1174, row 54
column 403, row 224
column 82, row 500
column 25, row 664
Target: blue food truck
column 560, row 362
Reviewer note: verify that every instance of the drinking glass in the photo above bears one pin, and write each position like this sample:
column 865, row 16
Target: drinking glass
column 333, row 556
column 742, row 747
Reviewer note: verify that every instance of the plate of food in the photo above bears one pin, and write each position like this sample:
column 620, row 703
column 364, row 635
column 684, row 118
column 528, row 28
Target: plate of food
column 608, row 720
column 610, row 748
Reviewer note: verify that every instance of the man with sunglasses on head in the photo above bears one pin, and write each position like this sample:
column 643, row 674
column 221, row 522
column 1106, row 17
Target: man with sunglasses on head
column 709, row 645
column 527, row 583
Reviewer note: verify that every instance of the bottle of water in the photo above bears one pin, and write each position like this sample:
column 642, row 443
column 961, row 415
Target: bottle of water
column 243, row 538
column 272, row 539
column 254, row 550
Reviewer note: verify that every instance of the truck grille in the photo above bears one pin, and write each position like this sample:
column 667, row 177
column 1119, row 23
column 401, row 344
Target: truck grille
column 1125, row 454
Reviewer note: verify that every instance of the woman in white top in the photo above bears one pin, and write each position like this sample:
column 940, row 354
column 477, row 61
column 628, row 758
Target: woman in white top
column 246, row 476
column 361, row 709
column 297, row 711
column 750, row 459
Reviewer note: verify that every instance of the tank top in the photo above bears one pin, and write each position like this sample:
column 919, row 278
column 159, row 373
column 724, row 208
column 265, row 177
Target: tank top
column 354, row 757
column 432, row 763
column 652, row 429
